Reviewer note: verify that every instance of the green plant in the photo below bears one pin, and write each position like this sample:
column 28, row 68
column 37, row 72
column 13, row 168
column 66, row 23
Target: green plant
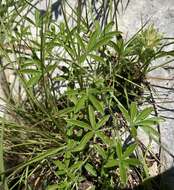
column 78, row 83
column 141, row 119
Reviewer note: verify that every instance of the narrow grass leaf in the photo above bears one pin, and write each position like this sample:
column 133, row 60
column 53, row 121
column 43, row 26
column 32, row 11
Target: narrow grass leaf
column 37, row 18
column 125, row 113
column 33, row 80
column 41, row 156
column 80, row 42
column 29, row 20
column 30, row 71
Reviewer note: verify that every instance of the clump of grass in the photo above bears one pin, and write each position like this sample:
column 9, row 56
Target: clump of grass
column 73, row 123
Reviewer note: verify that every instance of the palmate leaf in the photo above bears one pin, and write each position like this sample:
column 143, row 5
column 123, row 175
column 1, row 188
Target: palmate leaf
column 59, row 164
column 72, row 92
column 61, row 172
column 123, row 173
column 111, row 163
column 132, row 162
column 53, row 187
column 27, row 62
column 144, row 114
column 93, row 91
column 80, row 103
column 103, row 41
column 102, row 121
column 108, row 27
column 70, row 35
column 64, row 111
column 95, row 103
column 34, row 80
column 134, row 131
column 100, row 151
column 92, row 40
column 89, row 168
column 119, row 149
column 50, row 68
column 114, row 46
column 76, row 166
column 129, row 150
column 99, row 39
column 92, row 116
column 110, row 34
column 78, row 123
column 133, row 111
column 84, row 141
column 97, row 58
column 104, row 138
column 148, row 122
column 150, row 131
column 62, row 185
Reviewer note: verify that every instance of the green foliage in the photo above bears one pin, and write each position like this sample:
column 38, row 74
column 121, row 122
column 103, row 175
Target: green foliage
column 141, row 119
column 79, row 86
